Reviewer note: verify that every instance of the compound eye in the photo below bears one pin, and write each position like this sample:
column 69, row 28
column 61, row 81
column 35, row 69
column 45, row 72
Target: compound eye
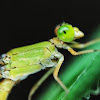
column 66, row 33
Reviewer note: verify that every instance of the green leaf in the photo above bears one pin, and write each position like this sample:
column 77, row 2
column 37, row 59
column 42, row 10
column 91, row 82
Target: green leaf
column 81, row 75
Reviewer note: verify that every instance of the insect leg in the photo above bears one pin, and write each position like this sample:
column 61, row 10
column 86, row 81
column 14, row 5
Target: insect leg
column 80, row 52
column 83, row 45
column 55, row 74
column 36, row 86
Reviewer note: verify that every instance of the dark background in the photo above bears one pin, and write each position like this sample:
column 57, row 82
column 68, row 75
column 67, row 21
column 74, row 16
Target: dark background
column 28, row 22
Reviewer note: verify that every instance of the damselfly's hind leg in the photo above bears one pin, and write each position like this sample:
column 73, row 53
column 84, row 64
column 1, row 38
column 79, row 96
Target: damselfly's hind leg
column 36, row 86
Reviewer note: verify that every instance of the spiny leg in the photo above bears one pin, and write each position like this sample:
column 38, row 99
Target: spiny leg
column 84, row 45
column 36, row 86
column 55, row 74
column 80, row 52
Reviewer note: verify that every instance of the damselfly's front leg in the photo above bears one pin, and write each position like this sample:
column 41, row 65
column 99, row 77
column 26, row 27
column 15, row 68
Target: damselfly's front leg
column 84, row 45
column 80, row 52
column 79, row 45
column 63, row 45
